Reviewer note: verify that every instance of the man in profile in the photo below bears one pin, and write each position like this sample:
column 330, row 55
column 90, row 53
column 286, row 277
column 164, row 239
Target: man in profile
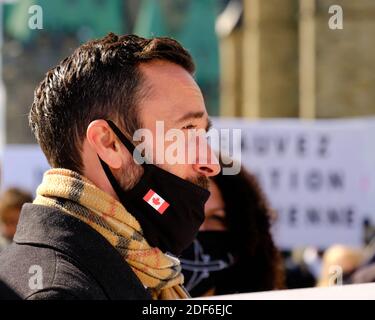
column 103, row 226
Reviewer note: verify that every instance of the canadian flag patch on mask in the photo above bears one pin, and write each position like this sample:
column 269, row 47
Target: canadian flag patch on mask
column 156, row 201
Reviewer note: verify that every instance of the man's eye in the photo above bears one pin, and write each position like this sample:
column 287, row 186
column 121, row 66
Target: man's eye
column 189, row 126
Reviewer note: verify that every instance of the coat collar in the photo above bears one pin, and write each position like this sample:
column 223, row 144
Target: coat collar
column 42, row 225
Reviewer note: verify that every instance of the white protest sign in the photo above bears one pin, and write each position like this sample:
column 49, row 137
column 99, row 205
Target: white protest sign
column 347, row 292
column 22, row 166
column 314, row 174
column 369, row 159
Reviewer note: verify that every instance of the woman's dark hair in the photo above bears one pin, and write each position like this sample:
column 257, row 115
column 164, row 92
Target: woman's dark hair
column 248, row 218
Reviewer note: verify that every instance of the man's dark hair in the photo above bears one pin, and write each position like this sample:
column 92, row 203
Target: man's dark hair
column 100, row 80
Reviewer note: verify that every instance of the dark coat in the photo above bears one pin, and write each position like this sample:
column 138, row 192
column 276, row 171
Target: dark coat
column 75, row 261
column 6, row 293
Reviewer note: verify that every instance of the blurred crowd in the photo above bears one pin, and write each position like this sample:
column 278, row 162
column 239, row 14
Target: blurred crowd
column 11, row 202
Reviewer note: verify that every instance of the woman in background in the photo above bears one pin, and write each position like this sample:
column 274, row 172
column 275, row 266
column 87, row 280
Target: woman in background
column 234, row 251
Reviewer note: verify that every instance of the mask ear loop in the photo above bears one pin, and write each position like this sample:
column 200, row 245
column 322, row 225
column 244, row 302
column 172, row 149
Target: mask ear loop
column 111, row 177
column 125, row 141
column 131, row 148
column 121, row 136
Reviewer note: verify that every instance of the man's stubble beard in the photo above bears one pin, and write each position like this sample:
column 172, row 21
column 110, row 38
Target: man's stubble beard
column 129, row 176
column 200, row 181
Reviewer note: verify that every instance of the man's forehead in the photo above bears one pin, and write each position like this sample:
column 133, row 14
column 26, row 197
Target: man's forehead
column 172, row 91
column 159, row 72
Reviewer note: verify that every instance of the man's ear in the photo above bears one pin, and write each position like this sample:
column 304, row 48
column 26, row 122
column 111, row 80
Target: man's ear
column 104, row 142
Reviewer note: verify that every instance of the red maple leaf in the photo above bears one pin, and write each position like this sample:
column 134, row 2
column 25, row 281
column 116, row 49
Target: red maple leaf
column 156, row 201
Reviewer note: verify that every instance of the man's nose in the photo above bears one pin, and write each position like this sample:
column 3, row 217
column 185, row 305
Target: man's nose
column 208, row 167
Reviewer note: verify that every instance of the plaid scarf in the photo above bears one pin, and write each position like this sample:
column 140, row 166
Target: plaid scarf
column 77, row 196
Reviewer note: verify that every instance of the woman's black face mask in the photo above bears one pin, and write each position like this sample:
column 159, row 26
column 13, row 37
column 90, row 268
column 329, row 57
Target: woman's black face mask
column 207, row 263
column 169, row 209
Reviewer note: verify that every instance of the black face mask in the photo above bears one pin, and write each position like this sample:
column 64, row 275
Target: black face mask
column 169, row 209
column 208, row 262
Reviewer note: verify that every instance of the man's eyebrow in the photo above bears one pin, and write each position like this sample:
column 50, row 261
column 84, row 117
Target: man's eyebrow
column 196, row 115
column 191, row 115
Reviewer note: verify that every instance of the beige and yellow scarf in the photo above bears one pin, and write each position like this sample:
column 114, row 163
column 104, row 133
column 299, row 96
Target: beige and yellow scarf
column 159, row 272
